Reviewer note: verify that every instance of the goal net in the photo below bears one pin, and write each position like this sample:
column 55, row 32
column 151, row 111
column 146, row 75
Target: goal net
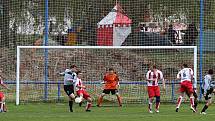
column 38, row 69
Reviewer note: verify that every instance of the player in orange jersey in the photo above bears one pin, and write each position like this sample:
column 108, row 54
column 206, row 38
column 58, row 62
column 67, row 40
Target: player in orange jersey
column 111, row 83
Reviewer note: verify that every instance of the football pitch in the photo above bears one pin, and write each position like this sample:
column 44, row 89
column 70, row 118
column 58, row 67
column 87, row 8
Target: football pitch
column 59, row 112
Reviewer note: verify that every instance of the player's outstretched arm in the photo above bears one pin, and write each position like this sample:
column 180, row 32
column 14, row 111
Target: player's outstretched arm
column 61, row 73
column 5, row 86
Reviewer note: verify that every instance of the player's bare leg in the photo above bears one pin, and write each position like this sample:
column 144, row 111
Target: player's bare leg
column 71, row 100
column 89, row 104
column 180, row 98
column 2, row 105
column 192, row 102
column 195, row 100
column 119, row 99
column 208, row 103
column 100, row 99
column 150, row 105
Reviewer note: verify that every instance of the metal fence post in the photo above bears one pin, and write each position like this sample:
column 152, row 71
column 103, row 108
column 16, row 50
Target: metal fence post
column 173, row 91
column 58, row 91
column 46, row 51
column 201, row 44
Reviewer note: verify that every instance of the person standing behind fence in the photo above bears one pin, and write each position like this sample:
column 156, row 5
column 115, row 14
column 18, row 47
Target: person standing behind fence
column 70, row 77
column 172, row 34
column 152, row 77
column 190, row 35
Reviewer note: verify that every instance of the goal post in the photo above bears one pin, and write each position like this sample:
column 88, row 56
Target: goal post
column 161, row 55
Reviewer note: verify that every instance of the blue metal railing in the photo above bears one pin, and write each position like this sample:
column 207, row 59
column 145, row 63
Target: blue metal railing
column 60, row 83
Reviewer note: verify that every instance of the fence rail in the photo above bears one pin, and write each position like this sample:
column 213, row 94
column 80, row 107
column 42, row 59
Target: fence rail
column 132, row 92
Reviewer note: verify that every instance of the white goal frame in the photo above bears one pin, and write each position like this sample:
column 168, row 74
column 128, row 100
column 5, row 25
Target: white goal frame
column 96, row 47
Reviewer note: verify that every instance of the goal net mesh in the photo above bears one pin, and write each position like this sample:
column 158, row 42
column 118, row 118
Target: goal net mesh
column 131, row 64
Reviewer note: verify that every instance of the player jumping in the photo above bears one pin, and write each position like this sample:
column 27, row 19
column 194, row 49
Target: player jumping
column 207, row 89
column 111, row 81
column 3, row 107
column 186, row 77
column 153, row 76
column 70, row 78
column 81, row 92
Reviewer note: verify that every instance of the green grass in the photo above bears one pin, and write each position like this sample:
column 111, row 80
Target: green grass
column 58, row 112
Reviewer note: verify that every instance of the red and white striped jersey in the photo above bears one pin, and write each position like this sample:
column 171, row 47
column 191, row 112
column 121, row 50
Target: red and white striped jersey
column 78, row 83
column 154, row 75
column 186, row 74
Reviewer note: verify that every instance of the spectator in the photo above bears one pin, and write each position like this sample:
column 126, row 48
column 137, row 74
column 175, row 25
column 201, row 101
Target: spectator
column 171, row 34
column 190, row 35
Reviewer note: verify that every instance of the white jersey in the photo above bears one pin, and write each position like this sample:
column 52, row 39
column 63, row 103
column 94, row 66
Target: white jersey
column 69, row 77
column 207, row 83
column 186, row 74
column 78, row 83
column 154, row 75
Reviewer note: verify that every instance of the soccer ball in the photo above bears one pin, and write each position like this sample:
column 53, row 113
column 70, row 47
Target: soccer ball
column 78, row 99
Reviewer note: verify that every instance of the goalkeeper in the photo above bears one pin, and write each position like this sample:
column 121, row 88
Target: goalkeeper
column 111, row 81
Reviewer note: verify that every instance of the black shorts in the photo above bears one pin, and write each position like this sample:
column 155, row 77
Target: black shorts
column 208, row 94
column 69, row 89
column 112, row 91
